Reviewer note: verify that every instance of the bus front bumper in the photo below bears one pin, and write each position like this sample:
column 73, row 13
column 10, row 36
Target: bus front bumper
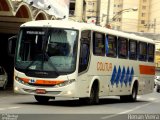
column 64, row 91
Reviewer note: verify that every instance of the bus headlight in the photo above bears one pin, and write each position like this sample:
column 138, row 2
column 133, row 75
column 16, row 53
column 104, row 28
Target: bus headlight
column 67, row 82
column 20, row 80
column 16, row 89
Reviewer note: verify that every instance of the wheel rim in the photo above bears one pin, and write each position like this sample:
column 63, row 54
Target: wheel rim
column 134, row 94
column 92, row 96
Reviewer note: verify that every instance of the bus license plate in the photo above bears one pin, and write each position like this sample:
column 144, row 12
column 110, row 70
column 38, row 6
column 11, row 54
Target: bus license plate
column 40, row 91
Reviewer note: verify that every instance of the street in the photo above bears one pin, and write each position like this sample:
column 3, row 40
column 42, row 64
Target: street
column 24, row 107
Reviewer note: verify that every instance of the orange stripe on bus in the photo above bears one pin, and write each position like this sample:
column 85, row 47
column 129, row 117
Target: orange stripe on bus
column 47, row 82
column 44, row 82
column 147, row 70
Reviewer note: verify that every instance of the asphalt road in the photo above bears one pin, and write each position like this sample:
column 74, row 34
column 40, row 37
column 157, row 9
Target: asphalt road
column 25, row 107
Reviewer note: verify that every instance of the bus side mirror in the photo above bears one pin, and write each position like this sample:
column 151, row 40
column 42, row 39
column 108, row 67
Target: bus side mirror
column 12, row 45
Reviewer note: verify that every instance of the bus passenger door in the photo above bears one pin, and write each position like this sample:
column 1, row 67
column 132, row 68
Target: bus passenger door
column 84, row 57
column 84, row 51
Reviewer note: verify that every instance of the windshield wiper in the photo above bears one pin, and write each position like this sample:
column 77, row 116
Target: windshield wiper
column 44, row 52
column 45, row 56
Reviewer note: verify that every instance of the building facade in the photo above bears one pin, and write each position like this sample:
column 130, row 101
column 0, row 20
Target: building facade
column 125, row 15
column 154, row 21
column 97, row 10
column 142, row 16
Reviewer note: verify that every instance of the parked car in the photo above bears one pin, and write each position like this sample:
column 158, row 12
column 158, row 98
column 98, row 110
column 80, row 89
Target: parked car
column 3, row 78
column 157, row 83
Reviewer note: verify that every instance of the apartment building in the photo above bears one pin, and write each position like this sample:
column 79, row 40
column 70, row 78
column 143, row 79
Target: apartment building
column 93, row 9
column 144, row 16
column 154, row 21
column 135, row 15
column 125, row 15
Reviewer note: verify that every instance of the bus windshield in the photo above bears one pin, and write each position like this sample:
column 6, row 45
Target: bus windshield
column 47, row 50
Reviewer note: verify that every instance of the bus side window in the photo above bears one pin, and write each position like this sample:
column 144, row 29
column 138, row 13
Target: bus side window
column 84, row 51
column 122, row 48
column 99, row 44
column 132, row 49
column 111, row 46
column 142, row 51
column 151, row 49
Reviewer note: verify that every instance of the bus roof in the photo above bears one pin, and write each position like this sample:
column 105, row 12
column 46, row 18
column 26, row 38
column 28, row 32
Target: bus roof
column 83, row 26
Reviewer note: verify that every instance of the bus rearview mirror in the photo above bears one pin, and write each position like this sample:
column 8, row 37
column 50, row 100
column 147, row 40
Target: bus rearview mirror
column 12, row 45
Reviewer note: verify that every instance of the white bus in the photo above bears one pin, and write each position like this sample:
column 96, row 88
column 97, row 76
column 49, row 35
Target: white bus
column 56, row 58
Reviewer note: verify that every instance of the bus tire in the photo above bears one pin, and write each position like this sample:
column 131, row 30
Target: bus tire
column 132, row 97
column 42, row 99
column 94, row 96
column 158, row 90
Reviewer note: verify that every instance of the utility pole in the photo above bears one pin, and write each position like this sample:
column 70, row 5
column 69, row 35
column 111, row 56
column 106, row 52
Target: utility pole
column 155, row 25
column 108, row 10
column 98, row 12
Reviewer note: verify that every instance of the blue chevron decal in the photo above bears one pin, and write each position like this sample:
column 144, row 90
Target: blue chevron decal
column 118, row 76
column 127, row 76
column 122, row 76
column 131, row 76
column 114, row 74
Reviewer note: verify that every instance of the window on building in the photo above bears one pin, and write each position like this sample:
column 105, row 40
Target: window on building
column 71, row 8
column 143, row 14
column 142, row 51
column 132, row 49
column 144, row 7
column 142, row 21
column 122, row 47
column 144, row 1
column 120, row 5
column 111, row 46
column 98, row 44
column 151, row 49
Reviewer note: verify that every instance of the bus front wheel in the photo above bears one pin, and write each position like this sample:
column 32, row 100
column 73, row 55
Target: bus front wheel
column 42, row 99
column 94, row 96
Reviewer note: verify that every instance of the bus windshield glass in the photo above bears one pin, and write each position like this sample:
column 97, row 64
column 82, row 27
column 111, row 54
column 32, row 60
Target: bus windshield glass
column 47, row 49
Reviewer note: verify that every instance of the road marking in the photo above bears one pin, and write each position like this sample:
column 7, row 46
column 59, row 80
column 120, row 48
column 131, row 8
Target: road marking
column 130, row 110
column 9, row 108
column 152, row 99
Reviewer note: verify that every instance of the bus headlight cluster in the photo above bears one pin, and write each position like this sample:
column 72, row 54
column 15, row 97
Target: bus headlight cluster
column 67, row 82
column 20, row 80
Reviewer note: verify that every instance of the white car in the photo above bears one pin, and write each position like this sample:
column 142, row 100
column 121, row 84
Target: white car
column 3, row 78
column 157, row 83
